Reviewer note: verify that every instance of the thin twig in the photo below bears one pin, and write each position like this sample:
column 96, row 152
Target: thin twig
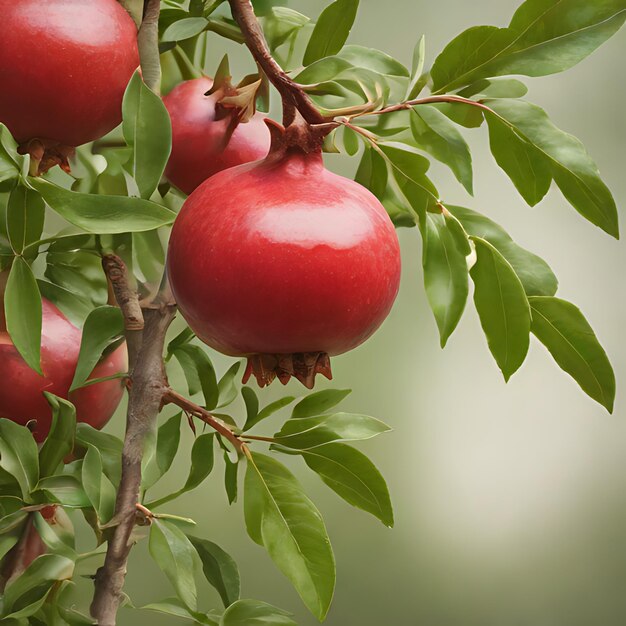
column 428, row 100
column 173, row 397
column 292, row 94
column 148, row 42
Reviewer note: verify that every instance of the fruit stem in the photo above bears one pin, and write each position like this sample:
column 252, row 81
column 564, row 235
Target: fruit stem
column 292, row 94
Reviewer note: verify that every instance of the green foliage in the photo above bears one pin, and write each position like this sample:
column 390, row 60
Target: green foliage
column 280, row 517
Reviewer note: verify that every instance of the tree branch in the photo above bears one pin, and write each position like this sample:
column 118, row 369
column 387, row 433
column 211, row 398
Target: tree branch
column 291, row 93
column 148, row 42
column 148, row 384
column 172, row 397
column 428, row 100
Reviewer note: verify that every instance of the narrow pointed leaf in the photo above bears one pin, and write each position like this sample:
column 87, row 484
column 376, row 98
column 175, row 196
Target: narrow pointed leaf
column 255, row 613
column 281, row 517
column 22, row 310
column 573, row 170
column 331, row 30
column 103, row 214
column 60, row 440
column 445, row 274
column 436, row 134
column 25, row 217
column 502, row 307
column 318, row 402
column 18, row 455
column 536, row 276
column 219, row 569
column 563, row 329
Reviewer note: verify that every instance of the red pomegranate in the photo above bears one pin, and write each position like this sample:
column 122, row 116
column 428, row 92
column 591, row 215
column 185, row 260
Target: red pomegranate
column 284, row 262
column 64, row 66
column 203, row 141
column 21, row 397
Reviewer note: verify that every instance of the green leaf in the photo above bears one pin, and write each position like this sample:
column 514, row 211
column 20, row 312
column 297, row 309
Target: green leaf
column 280, row 517
column 185, row 29
column 199, row 372
column 22, row 310
column 536, row 276
column 73, row 306
column 372, row 59
column 65, row 490
column 230, row 478
column 417, row 82
column 434, row 133
column 91, row 474
column 176, row 557
column 255, row 613
column 331, row 30
column 25, row 216
column 544, row 37
column 60, row 440
column 202, row 458
column 318, row 402
column 524, row 164
column 183, row 337
column 42, row 572
column 103, row 326
column 227, row 388
column 282, row 24
column 502, row 307
column 174, row 607
column 445, row 273
column 167, row 443
column 103, row 214
column 110, row 448
column 219, row 569
column 573, row 170
column 498, row 88
column 251, row 401
column 51, row 538
column 18, row 455
column 563, row 329
column 410, row 166
column 310, row 432
column 148, row 132
column 351, row 475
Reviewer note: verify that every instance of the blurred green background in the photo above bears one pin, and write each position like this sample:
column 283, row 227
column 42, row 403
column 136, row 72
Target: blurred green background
column 510, row 500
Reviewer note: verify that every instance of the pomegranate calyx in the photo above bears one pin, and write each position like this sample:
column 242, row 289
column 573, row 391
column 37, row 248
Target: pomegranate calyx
column 299, row 135
column 301, row 365
column 45, row 154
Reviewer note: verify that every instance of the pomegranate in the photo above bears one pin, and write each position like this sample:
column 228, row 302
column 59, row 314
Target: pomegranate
column 206, row 137
column 64, row 66
column 283, row 261
column 21, row 397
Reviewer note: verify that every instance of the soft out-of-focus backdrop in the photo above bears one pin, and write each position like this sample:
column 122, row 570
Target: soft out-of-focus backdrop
column 510, row 499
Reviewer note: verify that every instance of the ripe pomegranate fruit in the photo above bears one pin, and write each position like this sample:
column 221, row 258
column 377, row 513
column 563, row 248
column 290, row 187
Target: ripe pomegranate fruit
column 283, row 261
column 21, row 397
column 64, row 66
column 203, row 139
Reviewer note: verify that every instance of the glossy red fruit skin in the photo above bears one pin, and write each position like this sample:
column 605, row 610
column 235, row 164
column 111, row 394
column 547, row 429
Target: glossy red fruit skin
column 198, row 139
column 21, row 397
column 282, row 256
column 64, row 66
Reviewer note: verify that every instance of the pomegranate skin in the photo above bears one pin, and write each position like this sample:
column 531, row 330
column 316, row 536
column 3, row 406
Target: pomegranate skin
column 21, row 397
column 64, row 66
column 198, row 139
column 282, row 257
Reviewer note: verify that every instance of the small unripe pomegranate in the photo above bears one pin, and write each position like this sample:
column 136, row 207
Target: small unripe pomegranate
column 64, row 66
column 284, row 262
column 21, row 397
column 206, row 139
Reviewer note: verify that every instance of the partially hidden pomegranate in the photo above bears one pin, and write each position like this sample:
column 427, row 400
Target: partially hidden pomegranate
column 206, row 138
column 21, row 388
column 284, row 262
column 64, row 66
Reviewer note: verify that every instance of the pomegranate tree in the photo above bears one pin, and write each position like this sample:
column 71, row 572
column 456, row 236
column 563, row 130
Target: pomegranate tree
column 273, row 257
column 207, row 136
column 304, row 263
column 21, row 388
column 64, row 66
